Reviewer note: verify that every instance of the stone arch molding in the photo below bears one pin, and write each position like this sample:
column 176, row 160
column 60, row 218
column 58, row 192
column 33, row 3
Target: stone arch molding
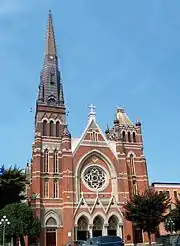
column 52, row 214
column 104, row 217
column 101, row 215
column 51, row 119
column 99, row 154
column 45, row 119
column 51, row 148
column 118, row 215
column 131, row 153
column 85, row 214
column 102, row 156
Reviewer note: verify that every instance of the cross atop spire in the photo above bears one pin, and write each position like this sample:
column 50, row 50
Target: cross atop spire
column 92, row 113
column 92, row 108
column 50, row 38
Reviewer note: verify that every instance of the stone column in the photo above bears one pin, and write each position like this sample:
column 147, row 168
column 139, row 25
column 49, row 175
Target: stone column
column 105, row 230
column 44, row 236
column 90, row 230
column 120, row 230
column 75, row 232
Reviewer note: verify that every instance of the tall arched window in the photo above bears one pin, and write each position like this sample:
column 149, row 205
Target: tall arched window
column 45, row 128
column 129, row 137
column 57, row 129
column 134, row 137
column 46, row 189
column 56, row 190
column 94, row 136
column 132, row 167
column 46, row 160
column 123, row 136
column 51, row 126
column 55, row 165
column 134, row 188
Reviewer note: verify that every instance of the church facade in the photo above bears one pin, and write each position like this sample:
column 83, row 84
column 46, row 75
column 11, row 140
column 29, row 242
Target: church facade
column 77, row 186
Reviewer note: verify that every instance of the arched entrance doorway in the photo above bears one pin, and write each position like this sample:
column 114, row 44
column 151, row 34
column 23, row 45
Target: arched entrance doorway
column 82, row 230
column 98, row 226
column 51, row 226
column 112, row 226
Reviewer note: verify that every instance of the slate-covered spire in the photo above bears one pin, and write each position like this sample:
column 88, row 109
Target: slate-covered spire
column 50, row 89
column 50, row 37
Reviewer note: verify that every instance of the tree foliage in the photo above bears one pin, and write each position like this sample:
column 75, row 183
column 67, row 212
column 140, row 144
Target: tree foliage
column 22, row 221
column 147, row 210
column 13, row 182
column 169, row 224
column 175, row 217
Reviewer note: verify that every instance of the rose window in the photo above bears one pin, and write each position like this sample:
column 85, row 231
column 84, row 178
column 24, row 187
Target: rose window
column 95, row 177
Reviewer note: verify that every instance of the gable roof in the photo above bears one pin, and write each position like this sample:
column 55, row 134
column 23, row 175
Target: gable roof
column 92, row 124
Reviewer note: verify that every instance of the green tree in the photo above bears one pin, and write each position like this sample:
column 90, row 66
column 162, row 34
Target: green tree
column 169, row 224
column 13, row 182
column 22, row 222
column 147, row 210
column 175, row 217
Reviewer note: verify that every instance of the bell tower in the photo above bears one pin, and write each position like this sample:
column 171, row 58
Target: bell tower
column 50, row 114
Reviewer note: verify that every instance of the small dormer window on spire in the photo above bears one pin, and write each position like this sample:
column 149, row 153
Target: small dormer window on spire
column 52, row 77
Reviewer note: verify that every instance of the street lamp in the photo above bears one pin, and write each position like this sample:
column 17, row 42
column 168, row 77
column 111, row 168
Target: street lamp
column 4, row 221
column 170, row 225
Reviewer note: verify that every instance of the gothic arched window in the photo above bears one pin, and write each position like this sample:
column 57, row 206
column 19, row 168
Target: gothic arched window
column 46, row 189
column 82, row 224
column 44, row 128
column 123, row 136
column 94, row 136
column 134, row 188
column 46, row 160
column 129, row 137
column 98, row 223
column 51, row 222
column 55, row 192
column 51, row 126
column 132, row 167
column 113, row 223
column 134, row 137
column 55, row 166
column 57, row 129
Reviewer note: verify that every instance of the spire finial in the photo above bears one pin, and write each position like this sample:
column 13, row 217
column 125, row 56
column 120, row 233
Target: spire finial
column 50, row 37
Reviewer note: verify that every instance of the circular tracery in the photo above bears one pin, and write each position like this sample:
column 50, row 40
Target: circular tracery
column 95, row 177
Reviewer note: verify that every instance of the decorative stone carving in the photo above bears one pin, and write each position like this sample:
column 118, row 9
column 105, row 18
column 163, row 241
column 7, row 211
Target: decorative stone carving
column 51, row 147
column 56, row 178
column 94, row 159
column 95, row 177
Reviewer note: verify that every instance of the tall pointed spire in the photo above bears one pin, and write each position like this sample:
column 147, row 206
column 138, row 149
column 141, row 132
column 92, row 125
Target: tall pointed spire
column 51, row 88
column 50, row 37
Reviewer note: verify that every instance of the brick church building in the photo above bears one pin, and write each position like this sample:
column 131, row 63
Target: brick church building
column 78, row 186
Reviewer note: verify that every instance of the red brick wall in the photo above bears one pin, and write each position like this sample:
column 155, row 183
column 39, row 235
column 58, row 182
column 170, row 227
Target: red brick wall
column 66, row 204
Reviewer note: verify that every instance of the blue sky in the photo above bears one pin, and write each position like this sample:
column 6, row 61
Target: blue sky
column 112, row 53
